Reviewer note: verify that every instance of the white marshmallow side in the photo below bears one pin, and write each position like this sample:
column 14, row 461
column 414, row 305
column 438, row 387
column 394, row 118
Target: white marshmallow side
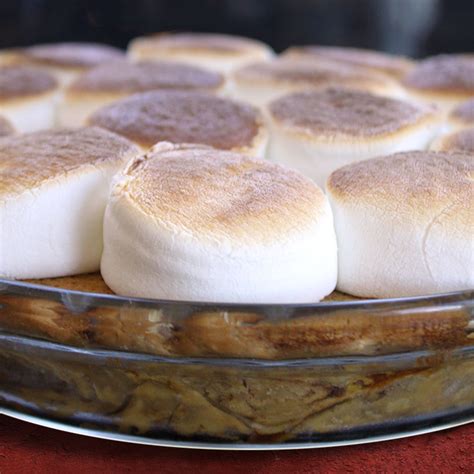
column 145, row 258
column 385, row 255
column 74, row 111
column 64, row 75
column 55, row 229
column 30, row 115
column 317, row 160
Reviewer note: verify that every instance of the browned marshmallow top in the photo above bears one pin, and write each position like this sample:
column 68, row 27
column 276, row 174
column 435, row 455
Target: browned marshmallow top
column 413, row 184
column 346, row 112
column 375, row 60
column 28, row 160
column 24, row 81
column 73, row 55
column 181, row 117
column 124, row 76
column 215, row 192
column 444, row 73
column 208, row 42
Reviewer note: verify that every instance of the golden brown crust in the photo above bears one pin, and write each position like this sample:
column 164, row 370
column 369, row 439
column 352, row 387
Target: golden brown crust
column 311, row 74
column 464, row 112
column 181, row 117
column 29, row 160
column 6, row 128
column 124, row 76
column 462, row 141
column 397, row 66
column 87, row 282
column 227, row 194
column 17, row 82
column 71, row 55
column 414, row 183
column 447, row 73
column 337, row 111
column 200, row 42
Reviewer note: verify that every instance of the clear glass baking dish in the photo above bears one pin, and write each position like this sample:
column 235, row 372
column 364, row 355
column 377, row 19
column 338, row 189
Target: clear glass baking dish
column 216, row 375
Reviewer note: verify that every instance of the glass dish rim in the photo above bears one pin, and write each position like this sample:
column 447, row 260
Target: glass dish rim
column 202, row 445
column 22, row 288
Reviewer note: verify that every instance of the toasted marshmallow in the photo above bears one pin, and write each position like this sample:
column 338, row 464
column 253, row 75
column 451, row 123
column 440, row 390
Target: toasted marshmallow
column 446, row 80
column 28, row 97
column 188, row 222
column 404, row 224
column 217, row 52
column 461, row 116
column 261, row 83
column 317, row 132
column 6, row 128
column 185, row 117
column 67, row 60
column 375, row 61
column 116, row 80
column 462, row 141
column 53, row 189
column 8, row 56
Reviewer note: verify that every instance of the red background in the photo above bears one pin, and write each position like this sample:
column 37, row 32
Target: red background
column 30, row 449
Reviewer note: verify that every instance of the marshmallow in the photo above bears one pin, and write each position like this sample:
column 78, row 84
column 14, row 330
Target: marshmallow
column 217, row 52
column 318, row 132
column 446, row 80
column 188, row 222
column 28, row 97
column 6, row 128
column 116, row 80
column 374, row 61
column 261, row 83
column 54, row 187
column 65, row 61
column 8, row 56
column 185, row 117
column 461, row 116
column 404, row 224
column 463, row 141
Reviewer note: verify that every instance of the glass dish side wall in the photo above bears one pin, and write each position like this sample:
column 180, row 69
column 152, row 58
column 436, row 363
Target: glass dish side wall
column 235, row 400
column 261, row 374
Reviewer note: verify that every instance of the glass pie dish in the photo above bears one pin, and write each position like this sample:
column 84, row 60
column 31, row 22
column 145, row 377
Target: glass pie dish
column 236, row 376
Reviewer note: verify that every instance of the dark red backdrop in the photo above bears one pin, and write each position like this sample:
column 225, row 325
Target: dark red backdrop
column 29, row 449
